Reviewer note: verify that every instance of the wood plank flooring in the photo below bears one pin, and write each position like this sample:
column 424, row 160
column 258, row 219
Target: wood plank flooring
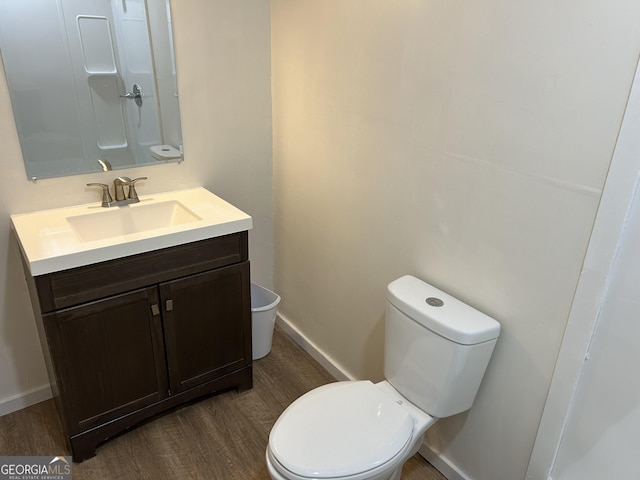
column 221, row 437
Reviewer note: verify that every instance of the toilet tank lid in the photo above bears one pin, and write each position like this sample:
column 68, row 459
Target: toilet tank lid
column 440, row 312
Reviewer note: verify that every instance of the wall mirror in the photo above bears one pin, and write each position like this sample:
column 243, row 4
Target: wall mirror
column 92, row 83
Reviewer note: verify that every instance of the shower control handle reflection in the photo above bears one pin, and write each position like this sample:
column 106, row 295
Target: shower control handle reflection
column 135, row 94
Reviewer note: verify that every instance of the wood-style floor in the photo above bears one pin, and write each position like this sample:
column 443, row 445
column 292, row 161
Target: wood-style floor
column 221, row 437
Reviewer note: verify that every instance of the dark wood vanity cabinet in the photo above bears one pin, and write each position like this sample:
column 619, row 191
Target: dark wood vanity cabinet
column 129, row 338
column 109, row 358
column 201, row 344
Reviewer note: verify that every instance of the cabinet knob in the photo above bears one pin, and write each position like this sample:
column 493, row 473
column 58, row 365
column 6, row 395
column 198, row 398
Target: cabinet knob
column 155, row 310
column 169, row 305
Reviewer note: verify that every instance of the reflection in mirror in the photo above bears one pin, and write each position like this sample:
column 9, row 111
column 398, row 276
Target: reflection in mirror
column 92, row 83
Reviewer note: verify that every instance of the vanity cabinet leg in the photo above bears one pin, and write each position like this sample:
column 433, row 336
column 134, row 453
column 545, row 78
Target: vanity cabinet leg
column 247, row 381
column 82, row 448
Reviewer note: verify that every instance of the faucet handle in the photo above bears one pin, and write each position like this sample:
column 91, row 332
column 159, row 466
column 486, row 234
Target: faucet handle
column 133, row 195
column 106, row 196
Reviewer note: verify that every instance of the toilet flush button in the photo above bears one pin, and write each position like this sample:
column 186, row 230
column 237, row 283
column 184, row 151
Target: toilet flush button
column 434, row 302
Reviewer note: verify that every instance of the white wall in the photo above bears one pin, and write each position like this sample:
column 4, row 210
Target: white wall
column 601, row 436
column 589, row 428
column 466, row 143
column 222, row 53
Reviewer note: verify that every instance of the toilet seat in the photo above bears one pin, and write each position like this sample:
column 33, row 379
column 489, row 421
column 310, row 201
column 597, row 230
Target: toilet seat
column 341, row 429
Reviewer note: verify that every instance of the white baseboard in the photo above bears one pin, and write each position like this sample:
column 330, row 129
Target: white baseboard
column 330, row 365
column 440, row 462
column 24, row 400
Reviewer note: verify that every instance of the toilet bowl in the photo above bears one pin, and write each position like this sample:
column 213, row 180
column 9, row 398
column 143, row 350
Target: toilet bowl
column 347, row 430
column 436, row 352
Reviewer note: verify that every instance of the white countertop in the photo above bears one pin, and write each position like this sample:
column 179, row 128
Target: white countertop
column 50, row 244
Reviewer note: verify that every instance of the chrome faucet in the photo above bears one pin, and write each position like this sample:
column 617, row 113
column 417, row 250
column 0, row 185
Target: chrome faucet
column 118, row 192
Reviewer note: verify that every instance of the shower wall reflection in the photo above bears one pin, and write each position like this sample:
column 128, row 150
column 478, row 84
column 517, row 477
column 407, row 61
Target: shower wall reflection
column 91, row 80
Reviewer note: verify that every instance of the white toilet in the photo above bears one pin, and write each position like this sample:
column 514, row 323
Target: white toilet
column 436, row 352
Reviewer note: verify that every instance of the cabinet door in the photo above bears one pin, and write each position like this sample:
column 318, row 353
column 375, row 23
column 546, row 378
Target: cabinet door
column 109, row 357
column 207, row 321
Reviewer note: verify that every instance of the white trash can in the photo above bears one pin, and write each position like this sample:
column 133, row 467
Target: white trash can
column 264, row 304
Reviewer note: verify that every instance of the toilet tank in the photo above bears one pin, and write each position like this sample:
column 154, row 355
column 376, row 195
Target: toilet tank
column 437, row 348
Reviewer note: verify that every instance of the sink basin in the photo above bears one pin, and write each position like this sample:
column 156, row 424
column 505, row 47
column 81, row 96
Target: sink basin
column 136, row 218
column 64, row 238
